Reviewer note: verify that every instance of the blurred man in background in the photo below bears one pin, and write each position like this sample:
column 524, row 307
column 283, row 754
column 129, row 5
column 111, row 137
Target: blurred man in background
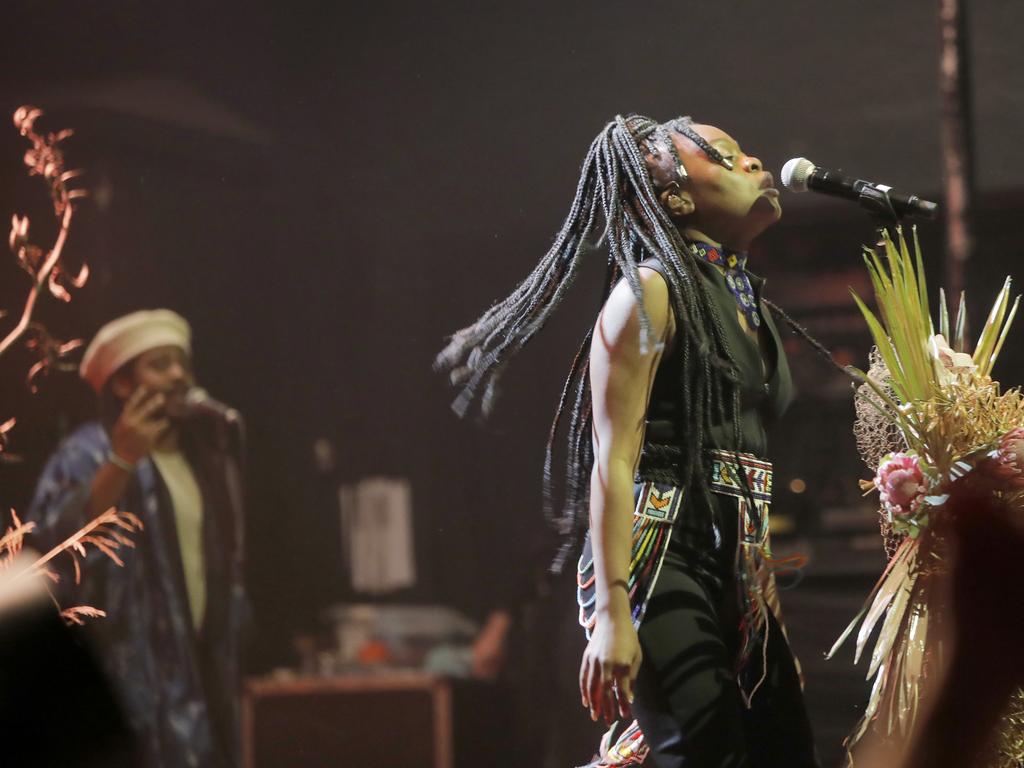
column 170, row 640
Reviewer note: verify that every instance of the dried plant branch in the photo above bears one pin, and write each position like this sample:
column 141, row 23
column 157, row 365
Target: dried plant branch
column 52, row 354
column 13, row 539
column 97, row 534
column 76, row 614
column 110, row 531
column 44, row 159
column 106, row 533
column 6, row 457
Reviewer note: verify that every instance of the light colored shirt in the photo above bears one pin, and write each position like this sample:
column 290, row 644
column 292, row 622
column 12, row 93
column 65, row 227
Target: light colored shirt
column 187, row 501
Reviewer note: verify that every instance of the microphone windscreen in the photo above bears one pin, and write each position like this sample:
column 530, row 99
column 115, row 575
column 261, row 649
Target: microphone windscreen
column 196, row 396
column 795, row 174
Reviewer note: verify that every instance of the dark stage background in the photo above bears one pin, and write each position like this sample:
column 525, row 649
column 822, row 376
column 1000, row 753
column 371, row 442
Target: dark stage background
column 326, row 190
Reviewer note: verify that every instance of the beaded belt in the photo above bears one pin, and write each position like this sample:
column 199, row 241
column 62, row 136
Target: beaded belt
column 749, row 480
column 657, row 508
column 741, row 476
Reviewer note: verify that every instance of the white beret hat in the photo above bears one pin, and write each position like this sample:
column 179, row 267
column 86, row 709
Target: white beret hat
column 125, row 338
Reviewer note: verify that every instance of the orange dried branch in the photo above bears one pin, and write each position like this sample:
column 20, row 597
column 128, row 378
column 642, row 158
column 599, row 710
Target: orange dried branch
column 44, row 159
column 13, row 539
column 77, row 613
column 109, row 531
column 92, row 534
column 52, row 354
column 42, row 277
column 6, row 457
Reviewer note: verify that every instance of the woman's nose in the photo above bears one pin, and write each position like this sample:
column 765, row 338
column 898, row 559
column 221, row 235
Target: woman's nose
column 752, row 165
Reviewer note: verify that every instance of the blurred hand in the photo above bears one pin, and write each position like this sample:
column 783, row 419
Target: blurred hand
column 140, row 426
column 489, row 646
column 609, row 668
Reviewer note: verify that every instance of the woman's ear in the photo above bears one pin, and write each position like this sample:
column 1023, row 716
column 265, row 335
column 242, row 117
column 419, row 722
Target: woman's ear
column 677, row 202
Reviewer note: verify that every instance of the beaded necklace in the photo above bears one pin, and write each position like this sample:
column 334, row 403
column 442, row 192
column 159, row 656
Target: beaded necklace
column 734, row 265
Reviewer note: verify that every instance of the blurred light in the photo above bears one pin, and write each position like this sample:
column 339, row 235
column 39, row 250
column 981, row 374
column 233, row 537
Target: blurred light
column 781, row 524
column 796, row 485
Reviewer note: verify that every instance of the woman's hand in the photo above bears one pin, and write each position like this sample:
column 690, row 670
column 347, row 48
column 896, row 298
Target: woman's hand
column 609, row 668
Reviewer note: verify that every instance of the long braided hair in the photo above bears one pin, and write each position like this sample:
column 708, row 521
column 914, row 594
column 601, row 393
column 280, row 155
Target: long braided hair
column 616, row 186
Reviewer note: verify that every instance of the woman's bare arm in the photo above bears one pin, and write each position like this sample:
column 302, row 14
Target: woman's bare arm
column 621, row 377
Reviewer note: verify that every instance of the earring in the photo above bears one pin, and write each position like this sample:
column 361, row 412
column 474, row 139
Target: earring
column 676, row 204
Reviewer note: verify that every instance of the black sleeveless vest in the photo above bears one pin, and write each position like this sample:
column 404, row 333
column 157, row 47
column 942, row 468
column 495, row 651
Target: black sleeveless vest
column 766, row 385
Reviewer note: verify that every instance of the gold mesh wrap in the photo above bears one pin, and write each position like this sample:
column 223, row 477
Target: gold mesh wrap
column 877, row 435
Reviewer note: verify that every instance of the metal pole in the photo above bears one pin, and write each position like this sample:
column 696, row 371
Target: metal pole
column 957, row 141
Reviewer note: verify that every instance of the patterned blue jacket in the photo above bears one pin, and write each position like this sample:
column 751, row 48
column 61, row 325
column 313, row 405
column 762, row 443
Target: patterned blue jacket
column 179, row 688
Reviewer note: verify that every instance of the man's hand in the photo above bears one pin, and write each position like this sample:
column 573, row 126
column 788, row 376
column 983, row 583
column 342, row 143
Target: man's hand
column 141, row 425
column 489, row 646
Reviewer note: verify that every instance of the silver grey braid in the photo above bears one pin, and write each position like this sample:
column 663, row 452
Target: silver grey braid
column 615, row 182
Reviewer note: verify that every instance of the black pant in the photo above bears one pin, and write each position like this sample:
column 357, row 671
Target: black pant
column 688, row 703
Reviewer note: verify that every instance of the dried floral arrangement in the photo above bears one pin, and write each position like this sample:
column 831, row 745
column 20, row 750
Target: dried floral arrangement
column 931, row 421
column 111, row 530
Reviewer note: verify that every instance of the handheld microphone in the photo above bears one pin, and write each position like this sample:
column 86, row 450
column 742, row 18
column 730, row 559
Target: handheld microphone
column 800, row 174
column 198, row 404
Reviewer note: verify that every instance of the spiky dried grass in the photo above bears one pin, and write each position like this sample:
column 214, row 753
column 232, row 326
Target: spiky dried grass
column 106, row 533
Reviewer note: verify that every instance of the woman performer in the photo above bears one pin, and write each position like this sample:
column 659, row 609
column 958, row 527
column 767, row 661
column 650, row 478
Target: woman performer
column 668, row 401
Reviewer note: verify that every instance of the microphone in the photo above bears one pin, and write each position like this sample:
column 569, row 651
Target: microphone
column 198, row 404
column 800, row 174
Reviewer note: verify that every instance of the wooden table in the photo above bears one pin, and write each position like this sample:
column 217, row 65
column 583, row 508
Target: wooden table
column 386, row 720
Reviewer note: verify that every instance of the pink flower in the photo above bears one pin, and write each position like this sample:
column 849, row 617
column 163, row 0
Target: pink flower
column 1006, row 462
column 1011, row 447
column 901, row 484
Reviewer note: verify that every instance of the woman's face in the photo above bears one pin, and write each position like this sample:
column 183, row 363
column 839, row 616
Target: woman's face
column 731, row 206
